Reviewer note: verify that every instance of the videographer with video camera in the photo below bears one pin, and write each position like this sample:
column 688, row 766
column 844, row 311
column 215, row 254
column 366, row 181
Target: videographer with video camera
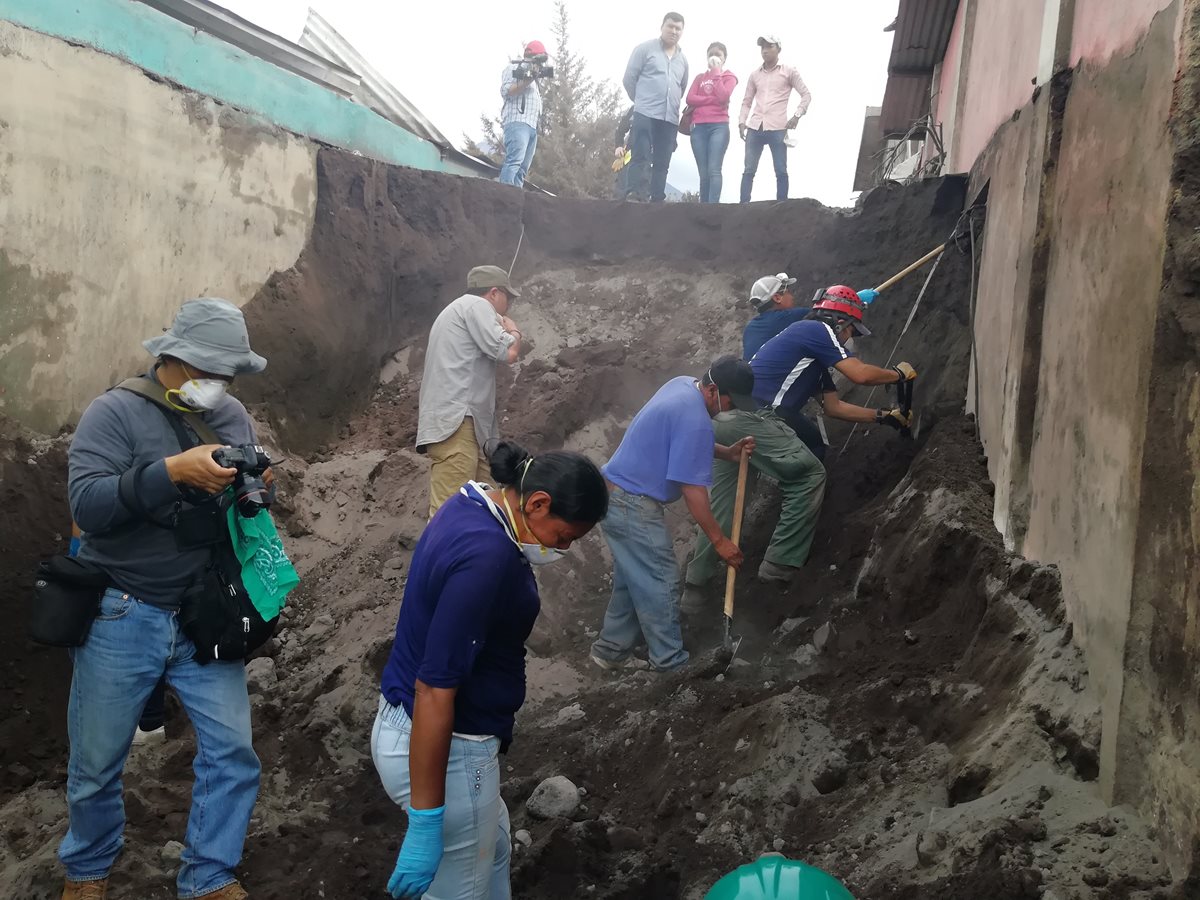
column 522, row 110
column 151, row 498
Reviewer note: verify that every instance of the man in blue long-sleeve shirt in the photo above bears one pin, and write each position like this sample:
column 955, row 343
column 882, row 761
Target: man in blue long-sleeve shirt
column 656, row 80
column 125, row 454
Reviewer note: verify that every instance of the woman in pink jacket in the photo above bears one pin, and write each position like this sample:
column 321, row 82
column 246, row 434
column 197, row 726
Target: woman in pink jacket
column 709, row 98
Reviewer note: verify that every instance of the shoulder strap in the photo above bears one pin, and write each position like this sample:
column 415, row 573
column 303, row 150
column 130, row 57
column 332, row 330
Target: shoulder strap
column 156, row 394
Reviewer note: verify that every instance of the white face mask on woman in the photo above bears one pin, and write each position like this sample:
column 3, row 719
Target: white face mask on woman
column 537, row 554
column 200, row 393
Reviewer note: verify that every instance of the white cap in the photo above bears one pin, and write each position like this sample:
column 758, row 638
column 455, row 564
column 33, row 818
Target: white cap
column 769, row 39
column 767, row 287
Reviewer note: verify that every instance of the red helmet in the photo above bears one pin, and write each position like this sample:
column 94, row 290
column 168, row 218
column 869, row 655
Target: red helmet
column 535, row 48
column 843, row 300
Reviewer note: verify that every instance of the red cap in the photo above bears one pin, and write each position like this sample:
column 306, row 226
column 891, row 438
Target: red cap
column 535, row 47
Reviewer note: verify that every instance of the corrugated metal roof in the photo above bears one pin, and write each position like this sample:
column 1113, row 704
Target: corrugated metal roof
column 374, row 91
column 922, row 31
column 235, row 30
column 905, row 100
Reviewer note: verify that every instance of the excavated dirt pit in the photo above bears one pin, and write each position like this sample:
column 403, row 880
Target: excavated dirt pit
column 942, row 744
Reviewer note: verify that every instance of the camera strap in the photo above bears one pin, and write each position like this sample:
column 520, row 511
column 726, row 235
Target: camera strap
column 190, row 430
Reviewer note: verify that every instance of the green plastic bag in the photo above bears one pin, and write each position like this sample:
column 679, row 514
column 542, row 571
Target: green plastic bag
column 776, row 878
column 267, row 573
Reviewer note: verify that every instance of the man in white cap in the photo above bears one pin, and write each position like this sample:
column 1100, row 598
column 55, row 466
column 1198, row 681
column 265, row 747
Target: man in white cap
column 457, row 414
column 772, row 299
column 764, row 120
column 126, row 465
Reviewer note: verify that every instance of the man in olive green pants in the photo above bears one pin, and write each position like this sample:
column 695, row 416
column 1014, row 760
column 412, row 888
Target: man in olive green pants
column 778, row 454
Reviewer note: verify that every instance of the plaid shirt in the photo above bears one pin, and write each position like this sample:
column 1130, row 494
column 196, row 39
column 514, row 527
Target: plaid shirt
column 524, row 107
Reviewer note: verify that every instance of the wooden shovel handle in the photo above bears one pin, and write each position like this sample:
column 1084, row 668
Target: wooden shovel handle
column 739, row 506
column 932, row 254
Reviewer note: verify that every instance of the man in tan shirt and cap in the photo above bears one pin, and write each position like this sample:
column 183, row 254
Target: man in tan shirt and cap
column 457, row 416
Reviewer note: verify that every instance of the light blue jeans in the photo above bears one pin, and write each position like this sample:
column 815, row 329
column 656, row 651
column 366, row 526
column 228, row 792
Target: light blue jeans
column 520, row 142
column 476, row 830
column 130, row 647
column 645, row 594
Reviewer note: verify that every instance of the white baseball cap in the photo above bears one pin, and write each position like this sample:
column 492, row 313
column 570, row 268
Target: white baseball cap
column 767, row 287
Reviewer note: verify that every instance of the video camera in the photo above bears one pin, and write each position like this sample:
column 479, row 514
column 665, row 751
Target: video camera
column 249, row 490
column 532, row 67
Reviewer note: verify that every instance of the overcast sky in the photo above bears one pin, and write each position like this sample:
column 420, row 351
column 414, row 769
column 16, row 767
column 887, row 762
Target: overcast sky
column 446, row 57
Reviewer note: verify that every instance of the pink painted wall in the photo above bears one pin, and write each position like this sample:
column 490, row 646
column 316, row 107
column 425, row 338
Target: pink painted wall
column 948, row 84
column 1105, row 28
column 1005, row 42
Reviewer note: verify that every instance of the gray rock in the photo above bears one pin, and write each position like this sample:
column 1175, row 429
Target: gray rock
column 930, row 845
column 395, row 564
column 170, row 852
column 825, row 638
column 523, row 837
column 554, row 798
column 261, row 675
column 622, row 838
column 778, row 844
column 831, row 773
column 569, row 714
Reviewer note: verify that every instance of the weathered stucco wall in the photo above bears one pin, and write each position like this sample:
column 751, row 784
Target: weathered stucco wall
column 1102, row 288
column 1158, row 748
column 1088, row 377
column 120, row 197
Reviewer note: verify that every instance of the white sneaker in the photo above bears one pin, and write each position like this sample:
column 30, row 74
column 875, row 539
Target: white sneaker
column 150, row 738
column 631, row 662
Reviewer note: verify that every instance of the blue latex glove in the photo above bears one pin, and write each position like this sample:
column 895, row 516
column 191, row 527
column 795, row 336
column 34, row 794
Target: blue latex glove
column 868, row 296
column 419, row 854
column 73, row 550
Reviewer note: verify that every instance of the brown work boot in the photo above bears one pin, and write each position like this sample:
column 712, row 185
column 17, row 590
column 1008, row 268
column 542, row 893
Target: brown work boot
column 85, row 890
column 232, row 891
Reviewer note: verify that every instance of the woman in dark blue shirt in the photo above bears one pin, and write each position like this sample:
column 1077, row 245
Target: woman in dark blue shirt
column 456, row 674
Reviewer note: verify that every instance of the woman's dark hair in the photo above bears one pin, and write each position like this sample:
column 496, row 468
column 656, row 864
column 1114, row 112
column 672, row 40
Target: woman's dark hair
column 719, row 46
column 576, row 487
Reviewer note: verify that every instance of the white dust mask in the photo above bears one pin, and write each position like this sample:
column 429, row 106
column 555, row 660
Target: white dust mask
column 201, row 393
column 537, row 554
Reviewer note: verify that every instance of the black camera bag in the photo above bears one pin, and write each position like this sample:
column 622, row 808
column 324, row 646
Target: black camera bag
column 66, row 598
column 219, row 616
column 216, row 614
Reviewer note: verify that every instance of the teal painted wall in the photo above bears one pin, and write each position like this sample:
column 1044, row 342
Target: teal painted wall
column 202, row 63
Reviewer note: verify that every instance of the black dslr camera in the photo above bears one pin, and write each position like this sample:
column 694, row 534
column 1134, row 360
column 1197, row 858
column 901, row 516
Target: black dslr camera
column 532, row 67
column 249, row 490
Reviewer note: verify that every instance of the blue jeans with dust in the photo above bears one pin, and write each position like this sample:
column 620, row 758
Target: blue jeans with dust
column 129, row 649
column 475, row 830
column 710, row 140
column 756, row 141
column 645, row 593
column 520, row 143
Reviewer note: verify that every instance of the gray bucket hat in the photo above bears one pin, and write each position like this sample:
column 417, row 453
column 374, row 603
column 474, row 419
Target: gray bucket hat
column 209, row 334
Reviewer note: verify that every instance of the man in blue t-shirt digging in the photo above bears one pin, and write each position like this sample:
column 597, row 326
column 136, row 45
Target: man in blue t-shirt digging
column 789, row 369
column 667, row 453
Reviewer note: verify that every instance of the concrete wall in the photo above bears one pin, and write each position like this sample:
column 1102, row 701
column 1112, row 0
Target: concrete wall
column 120, row 197
column 198, row 61
column 1075, row 340
column 1158, row 748
column 1102, row 290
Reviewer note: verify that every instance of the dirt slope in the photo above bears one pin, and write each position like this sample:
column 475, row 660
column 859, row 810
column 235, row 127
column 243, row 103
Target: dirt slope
column 943, row 745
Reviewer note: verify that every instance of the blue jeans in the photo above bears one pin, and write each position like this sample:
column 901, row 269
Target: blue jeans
column 710, row 140
column 645, row 595
column 652, row 142
column 130, row 647
column 755, row 142
column 475, row 831
column 520, row 142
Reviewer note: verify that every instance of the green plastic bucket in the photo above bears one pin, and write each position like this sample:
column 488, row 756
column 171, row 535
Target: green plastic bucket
column 776, row 878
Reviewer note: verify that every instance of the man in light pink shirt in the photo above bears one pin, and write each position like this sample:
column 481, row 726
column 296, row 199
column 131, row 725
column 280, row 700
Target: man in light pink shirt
column 764, row 121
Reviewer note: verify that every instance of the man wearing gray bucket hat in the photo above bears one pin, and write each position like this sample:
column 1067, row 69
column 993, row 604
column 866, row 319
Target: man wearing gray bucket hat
column 457, row 407
column 128, row 474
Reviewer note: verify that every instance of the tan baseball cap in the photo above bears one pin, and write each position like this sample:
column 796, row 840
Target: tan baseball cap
column 491, row 277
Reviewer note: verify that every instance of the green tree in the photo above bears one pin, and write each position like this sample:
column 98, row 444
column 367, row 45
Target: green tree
column 579, row 119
